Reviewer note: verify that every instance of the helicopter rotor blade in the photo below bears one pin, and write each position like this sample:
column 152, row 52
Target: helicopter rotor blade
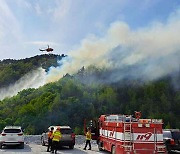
column 42, row 50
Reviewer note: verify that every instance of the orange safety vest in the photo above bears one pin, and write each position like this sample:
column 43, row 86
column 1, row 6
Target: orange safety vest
column 88, row 135
column 50, row 133
column 57, row 136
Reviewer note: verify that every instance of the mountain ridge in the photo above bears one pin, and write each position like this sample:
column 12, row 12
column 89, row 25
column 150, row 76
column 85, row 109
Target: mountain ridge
column 12, row 70
column 80, row 96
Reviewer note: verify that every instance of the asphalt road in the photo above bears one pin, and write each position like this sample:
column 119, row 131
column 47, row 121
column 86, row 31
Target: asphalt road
column 33, row 148
column 39, row 149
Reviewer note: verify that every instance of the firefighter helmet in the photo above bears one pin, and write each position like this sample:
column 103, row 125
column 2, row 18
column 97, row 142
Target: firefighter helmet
column 138, row 115
column 58, row 128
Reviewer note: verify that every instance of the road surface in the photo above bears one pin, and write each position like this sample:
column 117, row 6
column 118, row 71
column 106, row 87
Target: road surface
column 32, row 148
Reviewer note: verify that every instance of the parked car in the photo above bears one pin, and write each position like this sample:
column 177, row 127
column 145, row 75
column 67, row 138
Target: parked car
column 68, row 137
column 172, row 139
column 12, row 135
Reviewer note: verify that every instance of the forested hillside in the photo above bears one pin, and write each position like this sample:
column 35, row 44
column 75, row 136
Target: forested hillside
column 72, row 99
column 12, row 70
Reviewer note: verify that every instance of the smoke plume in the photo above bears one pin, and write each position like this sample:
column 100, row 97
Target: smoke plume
column 33, row 79
column 147, row 53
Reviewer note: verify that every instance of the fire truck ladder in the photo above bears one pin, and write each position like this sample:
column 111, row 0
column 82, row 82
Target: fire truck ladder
column 127, row 135
column 155, row 139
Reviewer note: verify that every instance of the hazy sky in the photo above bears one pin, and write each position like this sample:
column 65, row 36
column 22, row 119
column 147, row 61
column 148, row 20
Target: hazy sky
column 27, row 25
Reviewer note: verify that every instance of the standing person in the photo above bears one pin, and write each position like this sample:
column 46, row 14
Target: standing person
column 55, row 140
column 50, row 135
column 88, row 139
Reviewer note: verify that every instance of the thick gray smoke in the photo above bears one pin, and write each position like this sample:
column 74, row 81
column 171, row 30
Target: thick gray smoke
column 147, row 53
column 33, row 79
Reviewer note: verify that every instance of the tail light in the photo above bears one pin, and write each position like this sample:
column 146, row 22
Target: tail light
column 20, row 134
column 3, row 134
column 161, row 149
column 172, row 142
column 72, row 135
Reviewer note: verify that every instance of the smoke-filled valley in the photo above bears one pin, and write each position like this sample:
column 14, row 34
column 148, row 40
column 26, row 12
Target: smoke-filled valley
column 90, row 90
column 68, row 100
column 145, row 54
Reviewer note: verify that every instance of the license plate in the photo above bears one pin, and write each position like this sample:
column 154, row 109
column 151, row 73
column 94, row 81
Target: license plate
column 11, row 139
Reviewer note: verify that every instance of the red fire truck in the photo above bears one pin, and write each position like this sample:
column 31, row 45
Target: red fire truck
column 125, row 134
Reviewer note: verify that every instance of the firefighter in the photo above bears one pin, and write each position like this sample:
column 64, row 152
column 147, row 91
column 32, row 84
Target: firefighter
column 88, row 139
column 55, row 139
column 50, row 135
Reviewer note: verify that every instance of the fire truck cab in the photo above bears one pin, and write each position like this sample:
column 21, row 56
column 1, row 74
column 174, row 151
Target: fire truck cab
column 125, row 134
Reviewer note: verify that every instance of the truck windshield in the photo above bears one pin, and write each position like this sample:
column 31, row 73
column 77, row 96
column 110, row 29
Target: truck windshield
column 167, row 134
column 176, row 135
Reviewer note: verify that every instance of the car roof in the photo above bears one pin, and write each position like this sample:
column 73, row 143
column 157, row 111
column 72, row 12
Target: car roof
column 12, row 127
column 171, row 130
column 62, row 127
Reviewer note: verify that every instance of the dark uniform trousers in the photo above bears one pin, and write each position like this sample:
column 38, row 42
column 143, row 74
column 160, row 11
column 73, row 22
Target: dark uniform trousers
column 88, row 142
column 49, row 145
column 55, row 145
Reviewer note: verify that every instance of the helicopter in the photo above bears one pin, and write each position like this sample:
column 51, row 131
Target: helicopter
column 47, row 50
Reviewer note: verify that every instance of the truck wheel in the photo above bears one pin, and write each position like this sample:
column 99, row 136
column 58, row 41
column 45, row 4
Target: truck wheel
column 100, row 146
column 42, row 141
column 71, row 147
column 113, row 150
column 0, row 146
